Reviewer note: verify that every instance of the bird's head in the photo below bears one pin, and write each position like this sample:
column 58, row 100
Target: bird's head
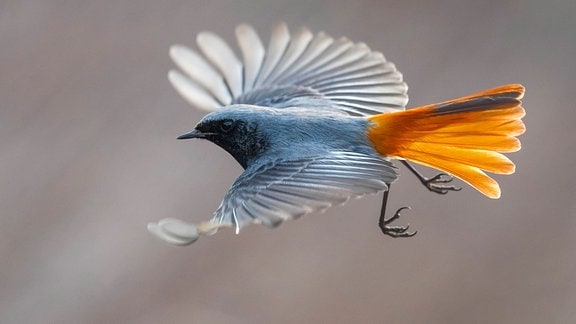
column 236, row 130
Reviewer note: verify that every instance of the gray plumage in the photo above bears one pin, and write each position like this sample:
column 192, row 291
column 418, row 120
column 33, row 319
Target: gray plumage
column 296, row 161
column 293, row 116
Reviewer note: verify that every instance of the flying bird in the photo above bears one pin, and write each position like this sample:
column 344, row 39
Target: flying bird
column 315, row 120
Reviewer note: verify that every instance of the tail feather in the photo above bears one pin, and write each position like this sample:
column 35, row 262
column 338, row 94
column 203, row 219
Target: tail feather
column 462, row 137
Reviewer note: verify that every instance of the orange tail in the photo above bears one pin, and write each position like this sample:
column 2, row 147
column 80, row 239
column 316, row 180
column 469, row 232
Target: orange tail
column 461, row 137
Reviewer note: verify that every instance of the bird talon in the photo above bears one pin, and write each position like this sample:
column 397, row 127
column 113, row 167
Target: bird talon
column 440, row 178
column 435, row 183
column 395, row 231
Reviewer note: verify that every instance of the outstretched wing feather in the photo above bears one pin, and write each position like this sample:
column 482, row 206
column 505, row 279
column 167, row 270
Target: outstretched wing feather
column 253, row 53
column 284, row 190
column 330, row 73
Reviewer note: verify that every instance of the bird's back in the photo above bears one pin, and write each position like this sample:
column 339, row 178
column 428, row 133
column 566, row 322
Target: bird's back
column 301, row 131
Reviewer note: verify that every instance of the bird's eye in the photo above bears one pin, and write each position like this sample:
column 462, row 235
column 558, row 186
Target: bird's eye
column 226, row 125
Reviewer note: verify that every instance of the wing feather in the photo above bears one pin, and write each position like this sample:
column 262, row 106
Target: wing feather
column 222, row 56
column 297, row 46
column 279, row 41
column 315, row 49
column 192, row 92
column 199, row 70
column 253, row 53
column 283, row 190
column 330, row 73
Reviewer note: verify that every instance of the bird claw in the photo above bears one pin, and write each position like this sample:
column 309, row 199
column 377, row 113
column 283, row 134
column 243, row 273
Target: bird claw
column 436, row 183
column 395, row 231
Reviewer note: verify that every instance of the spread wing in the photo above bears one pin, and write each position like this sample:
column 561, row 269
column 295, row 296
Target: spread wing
column 283, row 190
column 294, row 71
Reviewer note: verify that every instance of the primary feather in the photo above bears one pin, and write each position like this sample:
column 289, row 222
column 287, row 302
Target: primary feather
column 286, row 189
column 350, row 76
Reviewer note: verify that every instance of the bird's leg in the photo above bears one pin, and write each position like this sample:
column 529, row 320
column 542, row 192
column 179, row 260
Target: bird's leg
column 436, row 183
column 393, row 231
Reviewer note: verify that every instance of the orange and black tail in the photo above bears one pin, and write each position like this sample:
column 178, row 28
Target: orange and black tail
column 463, row 137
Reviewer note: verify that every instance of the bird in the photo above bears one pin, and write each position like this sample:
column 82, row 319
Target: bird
column 315, row 120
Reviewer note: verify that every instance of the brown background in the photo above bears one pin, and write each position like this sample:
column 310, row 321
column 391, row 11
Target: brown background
column 88, row 157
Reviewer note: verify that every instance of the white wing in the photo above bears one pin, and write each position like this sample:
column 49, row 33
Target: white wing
column 283, row 190
column 349, row 76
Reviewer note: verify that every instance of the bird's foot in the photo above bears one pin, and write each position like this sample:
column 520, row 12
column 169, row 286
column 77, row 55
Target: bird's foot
column 395, row 231
column 438, row 183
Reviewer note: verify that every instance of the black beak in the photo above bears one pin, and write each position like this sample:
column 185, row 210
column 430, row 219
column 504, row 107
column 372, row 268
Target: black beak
column 193, row 134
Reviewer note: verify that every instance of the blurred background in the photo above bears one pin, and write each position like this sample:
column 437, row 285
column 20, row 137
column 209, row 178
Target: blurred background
column 89, row 156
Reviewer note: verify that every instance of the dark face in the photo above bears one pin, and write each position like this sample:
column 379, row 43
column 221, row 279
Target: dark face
column 239, row 138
